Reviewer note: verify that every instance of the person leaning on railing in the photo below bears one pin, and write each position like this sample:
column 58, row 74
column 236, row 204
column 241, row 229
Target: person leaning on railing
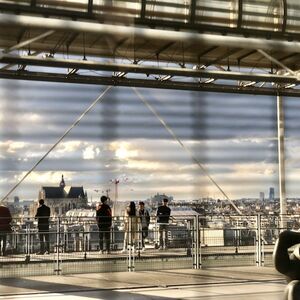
column 5, row 229
column 43, row 215
column 289, row 264
column 104, row 221
column 131, row 220
column 163, row 215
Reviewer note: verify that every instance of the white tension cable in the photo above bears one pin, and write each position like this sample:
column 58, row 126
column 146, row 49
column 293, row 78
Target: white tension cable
column 58, row 141
column 184, row 147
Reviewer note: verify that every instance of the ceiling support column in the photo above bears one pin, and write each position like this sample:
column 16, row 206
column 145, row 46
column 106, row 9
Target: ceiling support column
column 281, row 161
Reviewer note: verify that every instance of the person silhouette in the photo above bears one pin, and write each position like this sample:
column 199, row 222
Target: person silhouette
column 288, row 264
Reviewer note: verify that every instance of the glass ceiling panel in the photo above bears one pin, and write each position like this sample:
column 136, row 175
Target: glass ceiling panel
column 263, row 15
column 293, row 16
column 76, row 5
column 175, row 10
column 128, row 9
column 15, row 2
column 217, row 12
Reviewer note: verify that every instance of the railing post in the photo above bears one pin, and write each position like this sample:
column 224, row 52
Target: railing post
column 58, row 264
column 192, row 11
column 90, row 7
column 196, row 244
column 258, row 242
column 143, row 9
column 130, row 246
column 27, row 247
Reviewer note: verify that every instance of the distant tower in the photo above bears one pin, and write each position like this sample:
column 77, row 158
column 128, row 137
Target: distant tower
column 16, row 200
column 272, row 194
column 262, row 196
column 62, row 182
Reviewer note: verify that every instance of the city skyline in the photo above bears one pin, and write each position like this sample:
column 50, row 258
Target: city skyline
column 234, row 137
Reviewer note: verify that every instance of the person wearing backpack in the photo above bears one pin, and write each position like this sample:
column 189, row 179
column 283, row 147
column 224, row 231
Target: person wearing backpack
column 104, row 221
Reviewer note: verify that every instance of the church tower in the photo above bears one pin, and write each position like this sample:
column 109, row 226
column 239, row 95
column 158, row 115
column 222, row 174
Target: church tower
column 62, row 182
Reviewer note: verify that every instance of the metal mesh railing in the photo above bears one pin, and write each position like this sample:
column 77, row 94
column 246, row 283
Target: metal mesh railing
column 188, row 242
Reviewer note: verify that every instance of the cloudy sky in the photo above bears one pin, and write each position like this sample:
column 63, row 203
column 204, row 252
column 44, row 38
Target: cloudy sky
column 234, row 137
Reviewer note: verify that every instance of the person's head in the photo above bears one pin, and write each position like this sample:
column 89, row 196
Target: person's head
column 103, row 199
column 165, row 201
column 98, row 204
column 131, row 211
column 141, row 205
column 41, row 201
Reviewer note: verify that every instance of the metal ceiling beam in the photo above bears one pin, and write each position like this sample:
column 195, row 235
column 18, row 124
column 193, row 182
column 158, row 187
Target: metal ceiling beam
column 28, row 42
column 156, row 34
column 276, row 61
column 121, row 81
column 144, row 69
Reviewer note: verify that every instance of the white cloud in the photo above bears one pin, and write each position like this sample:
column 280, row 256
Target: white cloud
column 69, row 146
column 33, row 118
column 123, row 150
column 45, row 178
column 13, row 147
column 90, row 152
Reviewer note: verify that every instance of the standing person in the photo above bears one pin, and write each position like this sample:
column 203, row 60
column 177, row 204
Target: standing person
column 5, row 219
column 104, row 221
column 163, row 216
column 131, row 226
column 43, row 215
column 145, row 221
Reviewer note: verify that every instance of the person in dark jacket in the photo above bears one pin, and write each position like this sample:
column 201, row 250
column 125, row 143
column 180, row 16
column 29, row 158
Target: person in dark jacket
column 144, row 221
column 289, row 264
column 104, row 221
column 163, row 216
column 5, row 219
column 43, row 215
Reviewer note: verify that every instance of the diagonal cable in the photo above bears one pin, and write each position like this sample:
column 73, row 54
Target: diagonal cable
column 58, row 141
column 171, row 132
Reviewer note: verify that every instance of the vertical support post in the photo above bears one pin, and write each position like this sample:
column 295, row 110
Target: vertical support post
column 197, row 244
column 143, row 9
column 58, row 269
column 90, row 7
column 240, row 14
column 258, row 242
column 281, row 162
column 130, row 246
column 192, row 11
column 27, row 242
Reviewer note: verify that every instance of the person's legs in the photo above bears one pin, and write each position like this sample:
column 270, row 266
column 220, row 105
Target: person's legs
column 143, row 237
column 4, row 244
column 166, row 236
column 107, row 239
column 1, row 239
column 47, row 243
column 42, row 245
column 163, row 235
column 101, row 235
column 160, row 235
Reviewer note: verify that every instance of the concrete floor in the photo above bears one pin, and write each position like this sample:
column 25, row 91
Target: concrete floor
column 232, row 283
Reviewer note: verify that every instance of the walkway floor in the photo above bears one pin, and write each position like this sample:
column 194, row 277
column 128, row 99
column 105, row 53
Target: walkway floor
column 230, row 283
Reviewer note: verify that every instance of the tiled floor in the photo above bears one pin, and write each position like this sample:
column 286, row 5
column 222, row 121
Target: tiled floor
column 215, row 284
